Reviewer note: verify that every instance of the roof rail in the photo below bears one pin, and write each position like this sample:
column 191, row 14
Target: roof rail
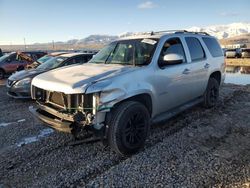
column 169, row 31
column 178, row 32
column 197, row 32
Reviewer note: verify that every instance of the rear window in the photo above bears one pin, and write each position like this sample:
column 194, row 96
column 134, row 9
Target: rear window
column 213, row 46
column 196, row 51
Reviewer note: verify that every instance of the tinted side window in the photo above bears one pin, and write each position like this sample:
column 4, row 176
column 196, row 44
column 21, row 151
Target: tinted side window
column 39, row 55
column 213, row 46
column 195, row 48
column 13, row 58
column 81, row 59
column 34, row 57
column 87, row 58
column 70, row 62
column 76, row 60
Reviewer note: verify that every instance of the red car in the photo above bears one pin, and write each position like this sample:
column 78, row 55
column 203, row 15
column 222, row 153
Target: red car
column 16, row 61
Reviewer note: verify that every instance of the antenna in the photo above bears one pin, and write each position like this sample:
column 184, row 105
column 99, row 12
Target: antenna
column 53, row 44
column 24, row 43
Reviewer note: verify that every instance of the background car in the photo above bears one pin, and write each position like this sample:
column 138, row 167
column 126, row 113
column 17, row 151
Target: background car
column 1, row 53
column 224, row 51
column 233, row 53
column 44, row 59
column 18, row 84
column 16, row 61
column 245, row 53
column 35, row 55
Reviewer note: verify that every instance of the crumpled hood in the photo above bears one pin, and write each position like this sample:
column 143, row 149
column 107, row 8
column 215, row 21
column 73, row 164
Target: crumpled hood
column 75, row 79
column 30, row 73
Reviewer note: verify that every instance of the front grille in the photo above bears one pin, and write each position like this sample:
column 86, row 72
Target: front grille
column 63, row 102
column 10, row 82
column 57, row 98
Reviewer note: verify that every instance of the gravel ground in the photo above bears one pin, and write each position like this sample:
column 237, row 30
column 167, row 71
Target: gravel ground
column 198, row 148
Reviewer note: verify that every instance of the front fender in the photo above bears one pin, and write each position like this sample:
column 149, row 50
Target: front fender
column 112, row 97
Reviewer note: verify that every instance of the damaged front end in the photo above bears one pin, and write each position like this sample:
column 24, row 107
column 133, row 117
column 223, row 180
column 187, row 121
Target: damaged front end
column 70, row 113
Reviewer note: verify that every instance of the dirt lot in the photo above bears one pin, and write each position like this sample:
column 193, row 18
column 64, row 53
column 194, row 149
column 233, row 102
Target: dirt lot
column 198, row 148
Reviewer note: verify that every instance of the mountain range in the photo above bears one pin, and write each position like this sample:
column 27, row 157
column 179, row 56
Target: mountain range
column 219, row 31
column 224, row 31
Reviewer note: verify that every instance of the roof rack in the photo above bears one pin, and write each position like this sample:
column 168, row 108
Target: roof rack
column 178, row 32
column 167, row 32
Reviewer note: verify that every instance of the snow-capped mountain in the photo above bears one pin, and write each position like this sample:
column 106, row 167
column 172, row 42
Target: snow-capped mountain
column 97, row 39
column 224, row 31
column 219, row 31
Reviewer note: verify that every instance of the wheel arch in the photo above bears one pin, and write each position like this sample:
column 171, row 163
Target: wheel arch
column 143, row 98
column 216, row 75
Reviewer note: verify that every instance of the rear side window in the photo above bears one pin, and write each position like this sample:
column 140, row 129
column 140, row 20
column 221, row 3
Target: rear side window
column 213, row 46
column 87, row 58
column 13, row 57
column 196, row 51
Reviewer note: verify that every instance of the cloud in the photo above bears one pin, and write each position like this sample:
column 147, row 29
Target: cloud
column 147, row 5
column 229, row 14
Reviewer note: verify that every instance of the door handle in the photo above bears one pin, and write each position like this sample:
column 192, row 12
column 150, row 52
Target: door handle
column 207, row 65
column 186, row 71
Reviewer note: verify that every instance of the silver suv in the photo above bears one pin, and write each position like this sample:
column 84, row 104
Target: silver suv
column 131, row 84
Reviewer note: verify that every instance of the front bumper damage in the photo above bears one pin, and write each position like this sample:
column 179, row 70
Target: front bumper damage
column 52, row 121
column 68, row 113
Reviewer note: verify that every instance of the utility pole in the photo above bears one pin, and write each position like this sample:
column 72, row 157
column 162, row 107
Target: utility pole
column 53, row 44
column 24, row 44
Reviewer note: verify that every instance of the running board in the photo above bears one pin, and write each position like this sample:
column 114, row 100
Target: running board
column 173, row 112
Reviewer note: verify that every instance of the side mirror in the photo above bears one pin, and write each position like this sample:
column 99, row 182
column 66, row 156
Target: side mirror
column 171, row 59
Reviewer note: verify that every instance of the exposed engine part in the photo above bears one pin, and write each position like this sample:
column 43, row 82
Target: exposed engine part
column 25, row 57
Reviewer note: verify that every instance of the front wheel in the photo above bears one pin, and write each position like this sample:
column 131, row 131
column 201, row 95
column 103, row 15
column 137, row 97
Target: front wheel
column 128, row 128
column 211, row 95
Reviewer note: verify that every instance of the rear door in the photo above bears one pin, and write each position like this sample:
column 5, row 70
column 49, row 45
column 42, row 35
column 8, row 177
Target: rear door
column 198, row 65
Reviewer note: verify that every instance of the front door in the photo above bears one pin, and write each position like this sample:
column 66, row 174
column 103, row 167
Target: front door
column 174, row 82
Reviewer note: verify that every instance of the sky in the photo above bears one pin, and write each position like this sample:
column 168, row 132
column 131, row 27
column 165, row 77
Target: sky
column 61, row 20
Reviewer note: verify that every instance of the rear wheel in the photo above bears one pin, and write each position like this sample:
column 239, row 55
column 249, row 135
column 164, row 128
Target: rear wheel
column 211, row 95
column 2, row 74
column 128, row 128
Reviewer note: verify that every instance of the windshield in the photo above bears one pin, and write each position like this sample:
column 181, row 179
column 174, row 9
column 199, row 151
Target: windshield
column 44, row 58
column 127, row 52
column 52, row 63
column 5, row 56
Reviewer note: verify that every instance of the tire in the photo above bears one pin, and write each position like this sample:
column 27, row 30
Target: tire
column 128, row 128
column 2, row 74
column 211, row 95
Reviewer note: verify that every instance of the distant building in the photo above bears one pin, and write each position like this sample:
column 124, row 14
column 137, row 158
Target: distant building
column 234, row 46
